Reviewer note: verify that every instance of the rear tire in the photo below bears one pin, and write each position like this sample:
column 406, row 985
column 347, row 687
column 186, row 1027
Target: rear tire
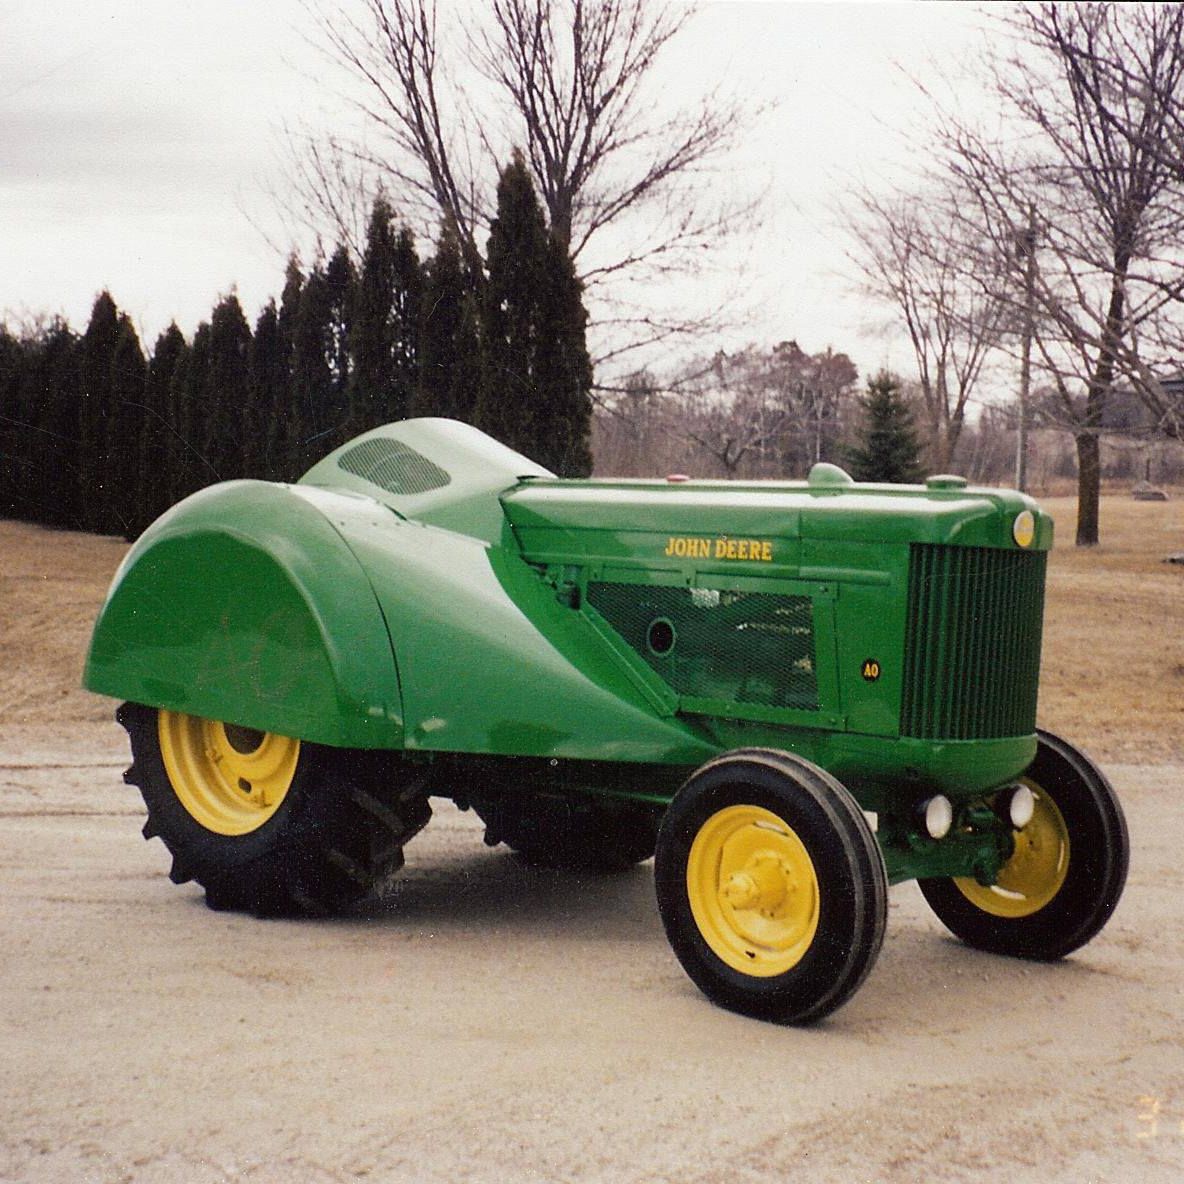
column 771, row 886
column 314, row 831
column 1067, row 873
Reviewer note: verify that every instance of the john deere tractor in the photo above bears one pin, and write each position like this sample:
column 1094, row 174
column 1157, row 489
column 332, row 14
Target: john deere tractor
column 791, row 694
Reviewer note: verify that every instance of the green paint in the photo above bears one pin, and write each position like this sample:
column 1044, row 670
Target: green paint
column 425, row 589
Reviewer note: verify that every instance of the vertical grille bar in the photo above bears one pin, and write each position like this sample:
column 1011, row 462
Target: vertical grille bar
column 972, row 643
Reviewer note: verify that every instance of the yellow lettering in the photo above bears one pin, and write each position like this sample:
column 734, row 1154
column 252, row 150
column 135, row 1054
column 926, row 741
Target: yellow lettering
column 669, row 547
column 721, row 546
column 767, row 552
column 731, row 552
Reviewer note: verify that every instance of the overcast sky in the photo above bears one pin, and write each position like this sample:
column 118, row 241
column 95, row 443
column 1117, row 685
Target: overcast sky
column 138, row 141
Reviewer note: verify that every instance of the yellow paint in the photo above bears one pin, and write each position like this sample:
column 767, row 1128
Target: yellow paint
column 1035, row 873
column 753, row 890
column 746, row 550
column 1023, row 529
column 230, row 780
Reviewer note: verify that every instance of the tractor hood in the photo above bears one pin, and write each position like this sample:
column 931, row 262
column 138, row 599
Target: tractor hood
column 763, row 525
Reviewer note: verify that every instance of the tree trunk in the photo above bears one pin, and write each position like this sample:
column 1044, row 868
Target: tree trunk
column 1089, row 473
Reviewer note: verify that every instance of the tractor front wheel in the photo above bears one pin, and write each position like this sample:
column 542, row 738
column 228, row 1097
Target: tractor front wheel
column 771, row 886
column 1066, row 874
column 266, row 823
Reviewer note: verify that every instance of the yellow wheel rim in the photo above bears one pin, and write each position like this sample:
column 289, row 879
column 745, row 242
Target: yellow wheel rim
column 753, row 890
column 1036, row 871
column 230, row 780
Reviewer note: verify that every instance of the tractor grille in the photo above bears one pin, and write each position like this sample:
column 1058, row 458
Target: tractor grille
column 738, row 647
column 392, row 466
column 972, row 650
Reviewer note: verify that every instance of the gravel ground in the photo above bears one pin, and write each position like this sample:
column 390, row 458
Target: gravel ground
column 490, row 1022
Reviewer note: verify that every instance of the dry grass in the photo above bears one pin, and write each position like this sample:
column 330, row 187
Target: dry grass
column 1113, row 654
column 1113, row 668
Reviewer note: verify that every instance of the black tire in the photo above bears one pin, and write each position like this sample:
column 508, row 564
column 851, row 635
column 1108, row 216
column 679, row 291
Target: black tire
column 824, row 935
column 1093, row 865
column 336, row 838
column 569, row 834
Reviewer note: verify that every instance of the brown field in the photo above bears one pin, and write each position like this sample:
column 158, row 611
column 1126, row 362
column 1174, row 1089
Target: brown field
column 495, row 1023
column 1112, row 675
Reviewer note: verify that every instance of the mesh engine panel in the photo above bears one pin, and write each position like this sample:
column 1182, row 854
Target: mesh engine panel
column 392, row 466
column 742, row 647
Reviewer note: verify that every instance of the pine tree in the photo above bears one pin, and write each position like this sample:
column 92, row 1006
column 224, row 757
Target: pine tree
column 888, row 449
column 98, row 350
column 12, row 351
column 283, row 438
column 341, row 285
column 312, row 379
column 536, row 376
column 189, row 469
column 228, row 412
column 384, row 341
column 152, row 496
column 125, row 427
column 449, row 341
column 60, row 425
column 269, row 396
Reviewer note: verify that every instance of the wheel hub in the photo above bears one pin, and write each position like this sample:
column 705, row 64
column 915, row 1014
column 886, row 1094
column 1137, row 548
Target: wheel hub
column 230, row 779
column 753, row 890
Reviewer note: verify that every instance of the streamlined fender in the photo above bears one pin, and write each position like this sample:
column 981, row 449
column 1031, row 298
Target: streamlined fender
column 244, row 604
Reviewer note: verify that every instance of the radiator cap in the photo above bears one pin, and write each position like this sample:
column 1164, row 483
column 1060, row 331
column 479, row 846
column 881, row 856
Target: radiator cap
column 945, row 481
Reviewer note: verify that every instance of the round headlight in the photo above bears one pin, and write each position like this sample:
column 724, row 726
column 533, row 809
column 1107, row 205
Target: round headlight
column 1021, row 807
column 939, row 817
column 1023, row 529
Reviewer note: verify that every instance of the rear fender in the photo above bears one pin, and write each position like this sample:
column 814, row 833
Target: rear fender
column 244, row 604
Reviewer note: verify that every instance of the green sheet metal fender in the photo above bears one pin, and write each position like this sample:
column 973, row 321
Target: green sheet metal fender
column 243, row 603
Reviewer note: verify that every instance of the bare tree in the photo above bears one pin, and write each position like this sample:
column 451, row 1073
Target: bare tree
column 913, row 255
column 1083, row 144
column 568, row 81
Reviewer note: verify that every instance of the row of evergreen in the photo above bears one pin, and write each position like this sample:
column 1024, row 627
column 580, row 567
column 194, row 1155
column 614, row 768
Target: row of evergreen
column 95, row 435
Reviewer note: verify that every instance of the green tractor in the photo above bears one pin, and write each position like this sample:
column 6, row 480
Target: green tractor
column 791, row 694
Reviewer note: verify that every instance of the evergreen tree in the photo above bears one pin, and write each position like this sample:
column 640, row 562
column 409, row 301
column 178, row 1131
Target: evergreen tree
column 340, row 286
column 449, row 341
column 284, row 434
column 888, row 449
column 152, row 496
column 228, row 412
column 384, row 342
column 125, row 427
column 11, row 434
column 189, row 469
column 59, row 459
column 536, row 376
column 98, row 351
column 312, row 379
column 269, row 396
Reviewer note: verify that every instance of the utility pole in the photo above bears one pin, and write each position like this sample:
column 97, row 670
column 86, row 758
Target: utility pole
column 1026, row 250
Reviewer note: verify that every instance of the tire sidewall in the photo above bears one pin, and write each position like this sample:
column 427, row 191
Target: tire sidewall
column 842, row 904
column 1094, row 878
column 202, row 847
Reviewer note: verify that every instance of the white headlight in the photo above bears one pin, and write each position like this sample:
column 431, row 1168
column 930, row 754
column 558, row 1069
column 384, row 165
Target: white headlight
column 1021, row 807
column 939, row 817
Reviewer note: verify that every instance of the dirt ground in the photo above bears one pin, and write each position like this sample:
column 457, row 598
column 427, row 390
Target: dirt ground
column 490, row 1022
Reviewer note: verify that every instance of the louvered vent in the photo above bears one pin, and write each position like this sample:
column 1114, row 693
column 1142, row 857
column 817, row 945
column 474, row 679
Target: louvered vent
column 972, row 649
column 392, row 466
column 734, row 647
